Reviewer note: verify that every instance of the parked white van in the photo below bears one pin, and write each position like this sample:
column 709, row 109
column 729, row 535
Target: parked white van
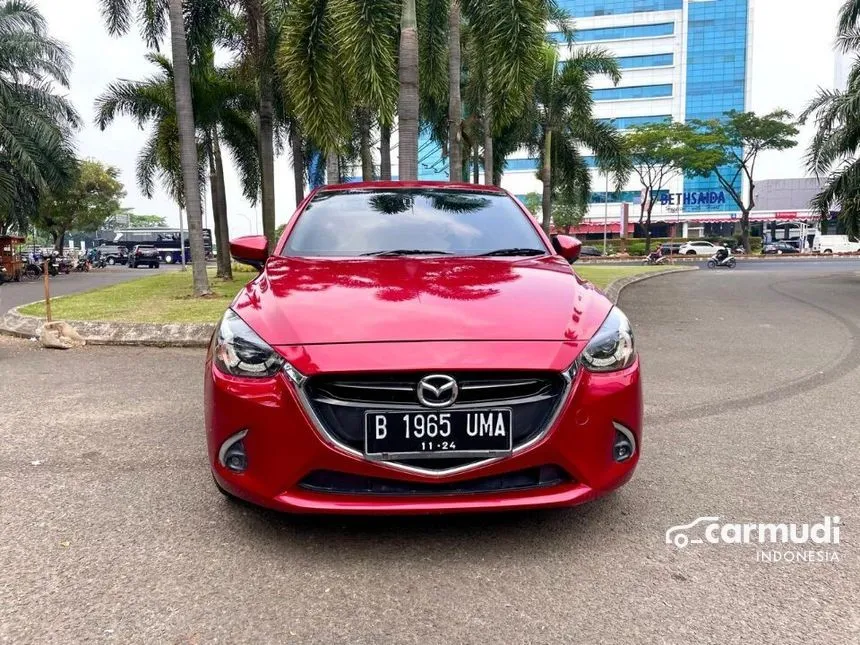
column 834, row 244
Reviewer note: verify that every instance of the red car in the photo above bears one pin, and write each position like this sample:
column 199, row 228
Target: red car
column 418, row 348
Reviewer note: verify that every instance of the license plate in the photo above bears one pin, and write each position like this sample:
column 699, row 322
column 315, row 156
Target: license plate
column 458, row 433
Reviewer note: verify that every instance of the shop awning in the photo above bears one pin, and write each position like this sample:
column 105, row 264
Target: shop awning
column 595, row 229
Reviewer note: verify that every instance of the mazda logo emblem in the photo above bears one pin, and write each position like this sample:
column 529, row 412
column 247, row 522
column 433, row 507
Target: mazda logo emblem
column 437, row 391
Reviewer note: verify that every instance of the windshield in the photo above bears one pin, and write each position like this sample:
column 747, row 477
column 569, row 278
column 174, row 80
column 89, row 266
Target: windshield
column 411, row 221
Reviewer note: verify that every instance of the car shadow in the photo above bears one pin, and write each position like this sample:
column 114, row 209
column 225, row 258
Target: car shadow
column 406, row 537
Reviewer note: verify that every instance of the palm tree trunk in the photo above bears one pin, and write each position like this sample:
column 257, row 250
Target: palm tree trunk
column 487, row 120
column 298, row 161
column 364, row 145
column 407, row 104
column 188, row 147
column 546, row 201
column 220, row 242
column 455, row 109
column 332, row 169
column 476, row 164
column 385, row 152
column 221, row 221
column 267, row 132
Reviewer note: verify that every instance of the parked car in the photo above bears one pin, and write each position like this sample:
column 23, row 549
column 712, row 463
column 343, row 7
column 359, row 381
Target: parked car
column 414, row 376
column 671, row 248
column 144, row 254
column 113, row 254
column 591, row 251
column 699, row 248
column 778, row 248
column 834, row 244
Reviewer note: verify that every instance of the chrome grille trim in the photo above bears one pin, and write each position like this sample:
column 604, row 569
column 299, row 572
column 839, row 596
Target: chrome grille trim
column 300, row 383
column 413, row 406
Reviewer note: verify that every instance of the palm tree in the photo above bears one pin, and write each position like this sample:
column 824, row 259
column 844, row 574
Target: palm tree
column 508, row 49
column 223, row 106
column 407, row 101
column 562, row 110
column 312, row 78
column 338, row 64
column 118, row 15
column 835, row 150
column 36, row 152
column 455, row 107
column 259, row 18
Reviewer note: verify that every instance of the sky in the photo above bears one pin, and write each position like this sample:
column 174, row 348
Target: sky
column 792, row 55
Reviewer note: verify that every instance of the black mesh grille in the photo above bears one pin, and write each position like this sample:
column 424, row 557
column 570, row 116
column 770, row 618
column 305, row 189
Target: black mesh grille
column 326, row 481
column 340, row 402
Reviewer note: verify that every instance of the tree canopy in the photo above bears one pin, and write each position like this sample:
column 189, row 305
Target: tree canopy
column 729, row 147
column 84, row 205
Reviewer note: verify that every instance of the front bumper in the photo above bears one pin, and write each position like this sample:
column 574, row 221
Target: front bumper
column 283, row 448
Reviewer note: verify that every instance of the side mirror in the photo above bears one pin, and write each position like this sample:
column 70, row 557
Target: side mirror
column 567, row 247
column 252, row 250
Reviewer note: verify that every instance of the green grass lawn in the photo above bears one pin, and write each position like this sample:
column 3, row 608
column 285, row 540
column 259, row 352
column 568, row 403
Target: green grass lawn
column 163, row 298
column 602, row 274
column 166, row 298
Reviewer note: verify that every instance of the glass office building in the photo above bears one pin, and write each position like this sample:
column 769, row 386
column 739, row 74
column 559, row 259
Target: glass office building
column 681, row 60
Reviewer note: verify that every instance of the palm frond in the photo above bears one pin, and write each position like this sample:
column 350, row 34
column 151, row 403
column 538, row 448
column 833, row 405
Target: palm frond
column 117, row 15
column 307, row 56
column 433, row 49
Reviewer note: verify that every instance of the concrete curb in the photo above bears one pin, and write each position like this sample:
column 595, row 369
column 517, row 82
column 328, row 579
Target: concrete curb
column 613, row 289
column 116, row 333
column 15, row 323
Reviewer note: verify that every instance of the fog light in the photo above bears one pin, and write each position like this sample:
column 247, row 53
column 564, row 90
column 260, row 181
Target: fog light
column 624, row 446
column 232, row 453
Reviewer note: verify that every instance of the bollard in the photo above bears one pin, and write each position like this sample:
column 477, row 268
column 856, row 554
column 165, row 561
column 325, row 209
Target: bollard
column 47, row 293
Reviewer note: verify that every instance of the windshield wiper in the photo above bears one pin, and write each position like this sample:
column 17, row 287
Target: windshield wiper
column 397, row 252
column 513, row 251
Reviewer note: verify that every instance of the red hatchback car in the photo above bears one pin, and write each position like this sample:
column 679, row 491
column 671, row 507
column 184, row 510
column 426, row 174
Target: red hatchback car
column 419, row 348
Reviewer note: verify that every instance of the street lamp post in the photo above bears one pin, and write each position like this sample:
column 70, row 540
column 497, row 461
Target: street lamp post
column 252, row 224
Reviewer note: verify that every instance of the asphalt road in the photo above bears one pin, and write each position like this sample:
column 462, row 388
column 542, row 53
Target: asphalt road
column 111, row 529
column 15, row 294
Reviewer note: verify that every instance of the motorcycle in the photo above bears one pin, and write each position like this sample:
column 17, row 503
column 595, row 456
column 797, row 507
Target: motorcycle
column 31, row 270
column 729, row 262
column 83, row 264
column 652, row 260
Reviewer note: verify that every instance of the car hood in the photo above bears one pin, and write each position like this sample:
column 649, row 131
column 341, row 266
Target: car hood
column 320, row 301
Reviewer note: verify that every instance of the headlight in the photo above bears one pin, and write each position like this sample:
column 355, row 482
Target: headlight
column 241, row 352
column 611, row 348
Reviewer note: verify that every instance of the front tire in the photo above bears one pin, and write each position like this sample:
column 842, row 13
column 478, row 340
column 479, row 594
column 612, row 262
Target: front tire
column 732, row 263
column 690, row 253
column 712, row 264
column 111, row 261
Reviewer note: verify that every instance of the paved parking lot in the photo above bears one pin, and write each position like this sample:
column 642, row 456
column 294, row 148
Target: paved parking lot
column 111, row 530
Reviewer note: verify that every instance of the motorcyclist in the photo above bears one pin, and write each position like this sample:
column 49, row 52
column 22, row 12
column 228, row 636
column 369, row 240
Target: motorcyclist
column 722, row 254
column 656, row 254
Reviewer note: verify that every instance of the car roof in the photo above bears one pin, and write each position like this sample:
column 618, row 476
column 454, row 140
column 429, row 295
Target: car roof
column 389, row 185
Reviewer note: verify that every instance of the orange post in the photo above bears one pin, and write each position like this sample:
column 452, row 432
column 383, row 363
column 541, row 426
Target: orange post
column 47, row 293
